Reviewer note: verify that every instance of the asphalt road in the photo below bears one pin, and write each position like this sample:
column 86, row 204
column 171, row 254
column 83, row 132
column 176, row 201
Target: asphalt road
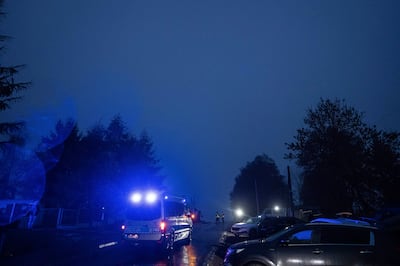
column 103, row 247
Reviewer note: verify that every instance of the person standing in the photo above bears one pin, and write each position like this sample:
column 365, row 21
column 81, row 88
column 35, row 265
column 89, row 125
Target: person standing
column 216, row 217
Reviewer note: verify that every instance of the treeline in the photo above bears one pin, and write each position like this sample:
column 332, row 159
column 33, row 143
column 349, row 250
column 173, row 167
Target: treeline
column 345, row 165
column 96, row 169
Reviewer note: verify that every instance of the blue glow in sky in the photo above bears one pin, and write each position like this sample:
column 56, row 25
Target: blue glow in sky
column 214, row 83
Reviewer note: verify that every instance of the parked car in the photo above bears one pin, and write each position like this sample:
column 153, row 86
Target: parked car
column 313, row 244
column 245, row 227
column 271, row 224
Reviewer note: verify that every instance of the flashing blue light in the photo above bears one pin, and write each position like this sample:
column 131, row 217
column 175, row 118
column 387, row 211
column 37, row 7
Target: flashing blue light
column 151, row 197
column 136, row 197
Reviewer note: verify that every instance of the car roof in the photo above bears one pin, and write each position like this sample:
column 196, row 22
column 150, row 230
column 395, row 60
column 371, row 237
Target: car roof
column 340, row 220
column 342, row 225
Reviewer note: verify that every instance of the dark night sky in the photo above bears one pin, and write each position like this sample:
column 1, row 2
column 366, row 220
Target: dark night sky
column 214, row 83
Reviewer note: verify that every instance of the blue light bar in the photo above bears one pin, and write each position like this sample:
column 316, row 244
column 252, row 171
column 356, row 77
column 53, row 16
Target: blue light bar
column 136, row 197
column 151, row 197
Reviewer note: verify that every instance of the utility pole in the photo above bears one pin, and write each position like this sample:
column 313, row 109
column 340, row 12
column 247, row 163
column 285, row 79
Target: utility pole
column 290, row 192
column 257, row 203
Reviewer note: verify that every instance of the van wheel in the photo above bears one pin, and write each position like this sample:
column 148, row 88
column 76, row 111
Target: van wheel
column 167, row 246
column 188, row 240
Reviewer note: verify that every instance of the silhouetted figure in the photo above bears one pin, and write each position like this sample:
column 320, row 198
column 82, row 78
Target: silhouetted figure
column 217, row 217
column 223, row 217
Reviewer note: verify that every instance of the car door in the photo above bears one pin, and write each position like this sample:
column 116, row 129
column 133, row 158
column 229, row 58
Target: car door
column 300, row 248
column 346, row 245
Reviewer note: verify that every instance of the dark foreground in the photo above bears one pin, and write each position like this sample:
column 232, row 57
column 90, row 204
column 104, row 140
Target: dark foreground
column 104, row 247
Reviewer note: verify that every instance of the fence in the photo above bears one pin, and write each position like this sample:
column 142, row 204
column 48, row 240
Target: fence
column 60, row 217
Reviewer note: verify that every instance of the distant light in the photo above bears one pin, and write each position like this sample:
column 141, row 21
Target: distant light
column 276, row 208
column 123, row 227
column 165, row 197
column 151, row 197
column 136, row 197
column 239, row 212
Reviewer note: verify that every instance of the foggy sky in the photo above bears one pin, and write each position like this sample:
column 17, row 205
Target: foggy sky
column 214, row 83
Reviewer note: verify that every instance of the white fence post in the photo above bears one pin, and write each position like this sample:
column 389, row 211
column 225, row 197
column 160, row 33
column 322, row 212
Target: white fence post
column 59, row 216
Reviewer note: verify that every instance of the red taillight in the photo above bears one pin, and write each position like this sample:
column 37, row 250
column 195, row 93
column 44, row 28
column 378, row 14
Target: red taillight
column 123, row 227
column 163, row 225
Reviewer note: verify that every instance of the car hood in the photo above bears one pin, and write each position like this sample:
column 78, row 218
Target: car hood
column 240, row 225
column 248, row 243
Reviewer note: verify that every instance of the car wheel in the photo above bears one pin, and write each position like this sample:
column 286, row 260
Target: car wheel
column 254, row 264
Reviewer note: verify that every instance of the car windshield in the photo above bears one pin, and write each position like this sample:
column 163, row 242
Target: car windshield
column 252, row 220
column 278, row 234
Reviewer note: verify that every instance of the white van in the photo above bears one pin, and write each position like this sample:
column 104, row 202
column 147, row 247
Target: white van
column 157, row 218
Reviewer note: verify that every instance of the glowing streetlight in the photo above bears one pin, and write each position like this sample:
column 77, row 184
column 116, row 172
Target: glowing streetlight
column 276, row 208
column 239, row 212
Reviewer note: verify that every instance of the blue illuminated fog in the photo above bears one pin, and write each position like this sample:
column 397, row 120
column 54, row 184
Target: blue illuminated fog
column 214, row 83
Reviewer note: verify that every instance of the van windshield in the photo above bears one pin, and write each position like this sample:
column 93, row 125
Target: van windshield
column 144, row 212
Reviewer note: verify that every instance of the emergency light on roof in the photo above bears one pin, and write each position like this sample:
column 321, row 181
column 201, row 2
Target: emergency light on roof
column 136, row 197
column 149, row 197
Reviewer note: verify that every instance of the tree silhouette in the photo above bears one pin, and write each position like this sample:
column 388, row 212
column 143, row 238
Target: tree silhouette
column 9, row 93
column 345, row 162
column 259, row 184
column 99, row 168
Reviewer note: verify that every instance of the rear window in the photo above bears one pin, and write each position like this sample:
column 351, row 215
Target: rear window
column 345, row 236
column 144, row 212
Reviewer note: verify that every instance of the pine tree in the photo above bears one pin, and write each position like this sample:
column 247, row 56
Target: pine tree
column 9, row 93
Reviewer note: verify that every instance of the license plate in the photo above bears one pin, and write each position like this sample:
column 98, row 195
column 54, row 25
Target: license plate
column 133, row 236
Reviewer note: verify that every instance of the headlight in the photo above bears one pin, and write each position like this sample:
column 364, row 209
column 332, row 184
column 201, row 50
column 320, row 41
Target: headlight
column 232, row 251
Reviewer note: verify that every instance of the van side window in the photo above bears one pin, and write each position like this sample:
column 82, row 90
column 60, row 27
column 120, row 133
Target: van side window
column 174, row 208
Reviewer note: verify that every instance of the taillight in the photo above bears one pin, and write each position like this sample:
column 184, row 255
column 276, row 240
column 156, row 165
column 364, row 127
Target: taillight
column 123, row 227
column 163, row 226
column 192, row 216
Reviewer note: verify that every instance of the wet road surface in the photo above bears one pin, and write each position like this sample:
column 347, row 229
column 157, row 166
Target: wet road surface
column 85, row 247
